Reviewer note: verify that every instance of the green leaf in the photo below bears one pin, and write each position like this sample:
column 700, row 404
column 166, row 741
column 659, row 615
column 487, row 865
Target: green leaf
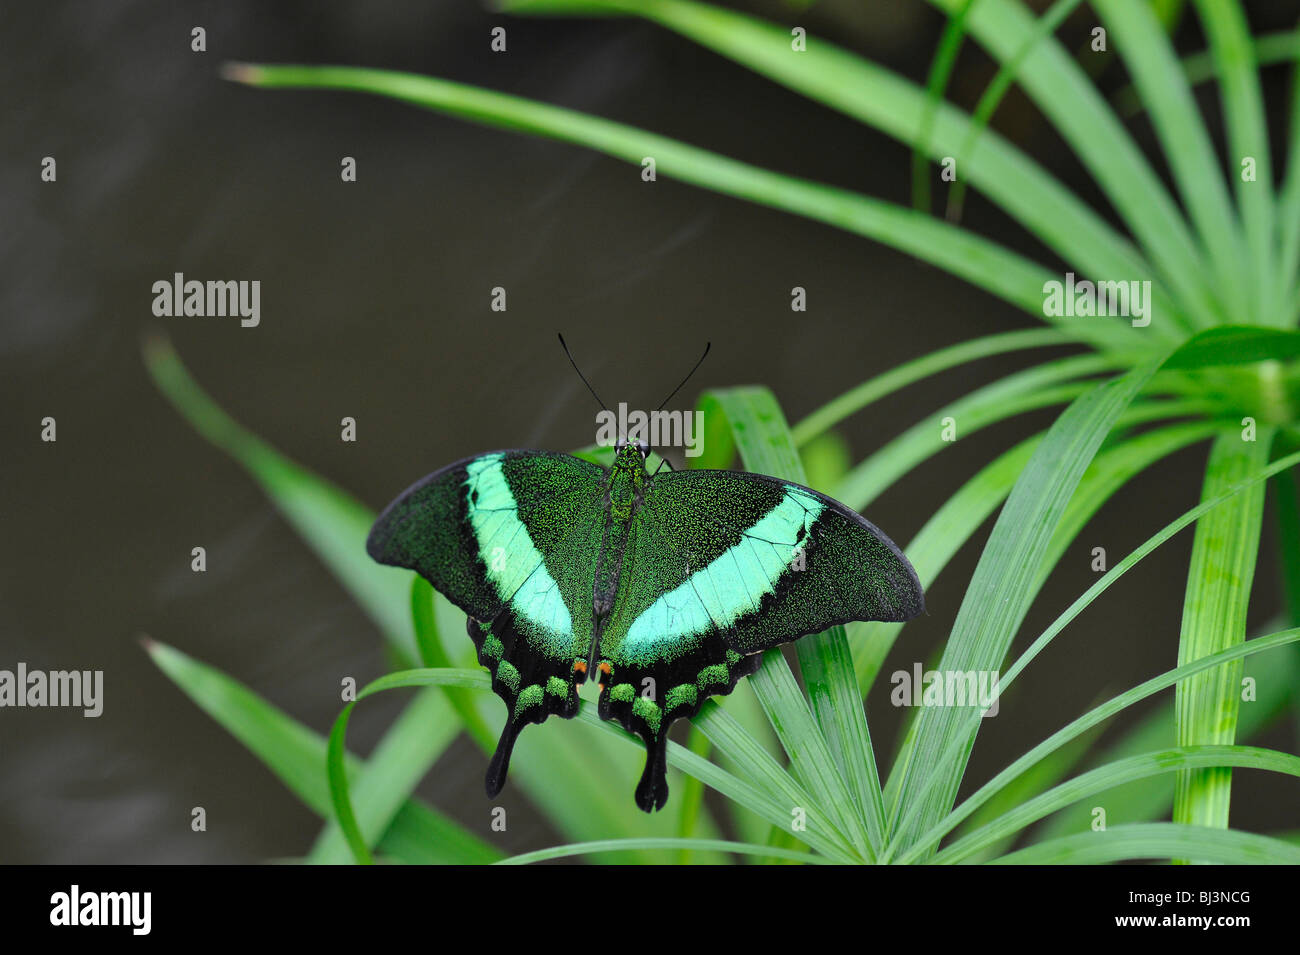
column 1040, row 777
column 1180, row 758
column 979, row 261
column 778, row 792
column 1097, row 714
column 434, row 655
column 964, row 513
column 1236, row 345
column 997, row 89
column 1039, row 386
column 611, row 845
column 1287, row 496
column 872, row 390
column 873, row 95
column 1149, row 56
column 956, row 751
column 1112, row 469
column 332, row 523
column 1289, row 197
column 1219, row 579
column 1159, row 840
column 336, row 771
column 296, row 756
column 942, row 536
column 1270, row 49
column 401, row 759
column 692, row 794
column 1058, row 86
column 1005, row 581
column 1274, row 672
column 945, row 58
column 1243, row 108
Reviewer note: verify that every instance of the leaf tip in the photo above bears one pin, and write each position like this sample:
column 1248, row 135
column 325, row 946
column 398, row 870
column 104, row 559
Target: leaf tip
column 156, row 347
column 245, row 73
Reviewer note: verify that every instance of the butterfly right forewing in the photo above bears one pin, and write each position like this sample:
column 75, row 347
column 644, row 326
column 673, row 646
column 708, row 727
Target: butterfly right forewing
column 723, row 565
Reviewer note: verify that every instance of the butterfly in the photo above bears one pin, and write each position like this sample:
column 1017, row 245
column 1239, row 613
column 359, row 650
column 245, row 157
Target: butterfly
column 663, row 588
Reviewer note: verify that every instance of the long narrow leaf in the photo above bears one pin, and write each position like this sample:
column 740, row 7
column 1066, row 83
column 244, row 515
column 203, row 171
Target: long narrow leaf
column 403, row 757
column 997, row 88
column 1180, row 758
column 1158, row 840
column 870, row 93
column 1219, row 580
column 954, row 748
column 1149, row 800
column 1040, row 386
column 613, row 845
column 1086, row 722
column 872, row 390
column 1149, row 56
column 1005, row 582
column 1243, row 107
column 966, row 510
column 332, row 523
column 971, row 257
column 296, row 755
column 1060, row 88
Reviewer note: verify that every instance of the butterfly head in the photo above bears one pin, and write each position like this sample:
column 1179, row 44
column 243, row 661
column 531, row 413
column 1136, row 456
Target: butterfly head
column 631, row 456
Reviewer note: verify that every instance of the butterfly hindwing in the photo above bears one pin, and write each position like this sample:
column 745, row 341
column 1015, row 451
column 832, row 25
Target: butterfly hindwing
column 511, row 538
column 722, row 565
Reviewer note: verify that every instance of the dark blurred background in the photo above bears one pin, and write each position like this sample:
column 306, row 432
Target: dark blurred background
column 375, row 305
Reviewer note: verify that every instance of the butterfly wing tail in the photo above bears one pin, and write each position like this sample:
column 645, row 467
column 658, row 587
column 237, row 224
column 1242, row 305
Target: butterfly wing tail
column 532, row 686
column 711, row 671
column 500, row 764
column 652, row 790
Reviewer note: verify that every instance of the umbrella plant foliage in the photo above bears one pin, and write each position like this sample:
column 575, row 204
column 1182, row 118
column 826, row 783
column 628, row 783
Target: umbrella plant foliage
column 1212, row 361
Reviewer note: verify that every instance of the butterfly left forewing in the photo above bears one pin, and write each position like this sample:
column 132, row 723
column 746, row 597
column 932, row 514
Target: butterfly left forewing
column 511, row 538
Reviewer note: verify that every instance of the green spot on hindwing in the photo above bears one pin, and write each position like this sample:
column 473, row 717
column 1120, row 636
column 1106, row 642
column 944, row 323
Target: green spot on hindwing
column 714, row 674
column 647, row 711
column 557, row 687
column 683, row 695
column 732, row 658
column 492, row 647
column 530, row 697
column 508, row 675
column 622, row 692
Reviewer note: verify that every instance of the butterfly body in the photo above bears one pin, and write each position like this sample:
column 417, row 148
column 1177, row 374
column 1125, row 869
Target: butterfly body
column 664, row 589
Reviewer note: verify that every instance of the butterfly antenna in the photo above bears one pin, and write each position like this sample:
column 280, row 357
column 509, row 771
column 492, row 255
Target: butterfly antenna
column 707, row 346
column 569, row 355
